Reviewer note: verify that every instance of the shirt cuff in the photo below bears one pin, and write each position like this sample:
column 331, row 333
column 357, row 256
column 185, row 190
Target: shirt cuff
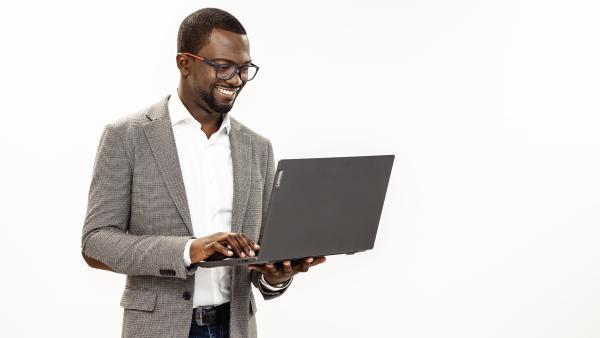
column 187, row 261
column 277, row 287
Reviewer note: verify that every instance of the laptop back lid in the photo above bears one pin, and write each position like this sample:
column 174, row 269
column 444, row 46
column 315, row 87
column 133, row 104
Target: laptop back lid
column 325, row 206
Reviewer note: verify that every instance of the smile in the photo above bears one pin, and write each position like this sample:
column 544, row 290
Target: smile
column 228, row 92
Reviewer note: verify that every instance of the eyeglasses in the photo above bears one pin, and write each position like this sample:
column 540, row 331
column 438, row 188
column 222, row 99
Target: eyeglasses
column 226, row 71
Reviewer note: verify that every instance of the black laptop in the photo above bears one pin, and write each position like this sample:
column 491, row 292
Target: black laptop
column 321, row 207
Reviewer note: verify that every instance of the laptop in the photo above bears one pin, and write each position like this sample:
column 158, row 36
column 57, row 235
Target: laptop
column 321, row 207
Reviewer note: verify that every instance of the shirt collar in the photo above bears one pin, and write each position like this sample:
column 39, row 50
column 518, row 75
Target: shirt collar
column 179, row 113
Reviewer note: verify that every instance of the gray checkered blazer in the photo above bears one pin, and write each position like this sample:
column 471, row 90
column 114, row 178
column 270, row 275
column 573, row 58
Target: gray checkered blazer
column 138, row 221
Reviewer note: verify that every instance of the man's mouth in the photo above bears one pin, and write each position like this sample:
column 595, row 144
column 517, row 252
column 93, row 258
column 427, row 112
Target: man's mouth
column 226, row 92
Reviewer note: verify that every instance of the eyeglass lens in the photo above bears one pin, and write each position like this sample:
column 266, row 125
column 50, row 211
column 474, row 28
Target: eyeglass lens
column 226, row 72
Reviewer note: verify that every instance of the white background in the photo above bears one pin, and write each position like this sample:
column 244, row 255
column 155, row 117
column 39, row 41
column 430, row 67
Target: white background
column 491, row 223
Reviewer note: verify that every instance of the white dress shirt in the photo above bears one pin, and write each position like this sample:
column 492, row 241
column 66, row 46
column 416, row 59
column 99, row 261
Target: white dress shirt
column 208, row 179
column 207, row 173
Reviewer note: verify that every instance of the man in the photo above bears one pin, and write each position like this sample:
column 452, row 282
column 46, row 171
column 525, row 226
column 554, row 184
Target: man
column 179, row 182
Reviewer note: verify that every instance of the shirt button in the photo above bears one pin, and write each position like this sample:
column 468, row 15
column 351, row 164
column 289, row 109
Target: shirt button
column 187, row 295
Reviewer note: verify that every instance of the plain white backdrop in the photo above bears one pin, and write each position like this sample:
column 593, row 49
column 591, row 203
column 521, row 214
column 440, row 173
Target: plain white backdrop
column 491, row 226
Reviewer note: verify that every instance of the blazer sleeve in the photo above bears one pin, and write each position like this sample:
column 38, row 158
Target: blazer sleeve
column 270, row 176
column 104, row 236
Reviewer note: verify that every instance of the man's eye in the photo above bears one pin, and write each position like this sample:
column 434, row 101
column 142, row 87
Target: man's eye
column 225, row 66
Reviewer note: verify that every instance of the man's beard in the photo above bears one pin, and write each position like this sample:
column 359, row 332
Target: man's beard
column 209, row 99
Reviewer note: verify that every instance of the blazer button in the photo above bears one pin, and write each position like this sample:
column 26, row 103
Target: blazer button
column 187, row 295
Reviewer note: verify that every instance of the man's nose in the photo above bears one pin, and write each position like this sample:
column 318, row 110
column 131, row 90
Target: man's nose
column 236, row 80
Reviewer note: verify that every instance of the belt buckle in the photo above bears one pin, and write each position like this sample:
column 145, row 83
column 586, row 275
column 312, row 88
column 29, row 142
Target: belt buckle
column 206, row 316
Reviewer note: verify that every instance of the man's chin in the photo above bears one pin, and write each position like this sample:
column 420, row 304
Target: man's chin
column 219, row 108
column 222, row 108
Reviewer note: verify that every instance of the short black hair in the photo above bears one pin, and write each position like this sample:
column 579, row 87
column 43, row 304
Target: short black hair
column 195, row 29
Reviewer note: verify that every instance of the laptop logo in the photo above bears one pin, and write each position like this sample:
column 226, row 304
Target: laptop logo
column 278, row 178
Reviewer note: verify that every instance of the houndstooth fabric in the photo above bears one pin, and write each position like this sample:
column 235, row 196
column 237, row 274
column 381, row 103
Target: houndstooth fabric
column 138, row 221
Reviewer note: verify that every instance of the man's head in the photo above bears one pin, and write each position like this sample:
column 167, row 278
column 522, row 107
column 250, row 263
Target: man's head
column 210, row 44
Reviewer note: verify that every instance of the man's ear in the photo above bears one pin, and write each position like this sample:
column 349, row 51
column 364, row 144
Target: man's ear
column 183, row 63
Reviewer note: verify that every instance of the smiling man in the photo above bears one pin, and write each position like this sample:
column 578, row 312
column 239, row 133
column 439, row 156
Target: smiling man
column 181, row 181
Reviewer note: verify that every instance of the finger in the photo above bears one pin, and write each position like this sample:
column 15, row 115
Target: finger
column 318, row 260
column 271, row 268
column 223, row 239
column 287, row 267
column 258, row 265
column 247, row 244
column 217, row 247
column 219, row 236
column 258, row 268
column 251, row 244
column 302, row 267
column 237, row 247
column 306, row 264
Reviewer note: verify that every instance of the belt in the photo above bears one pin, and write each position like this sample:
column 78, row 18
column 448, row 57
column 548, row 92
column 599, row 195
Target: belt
column 211, row 315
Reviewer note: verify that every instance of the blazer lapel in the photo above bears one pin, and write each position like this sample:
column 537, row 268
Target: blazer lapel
column 241, row 158
column 159, row 133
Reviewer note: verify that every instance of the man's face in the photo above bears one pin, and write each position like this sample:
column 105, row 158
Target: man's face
column 211, row 93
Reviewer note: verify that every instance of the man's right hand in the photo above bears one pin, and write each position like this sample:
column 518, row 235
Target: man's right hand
column 228, row 244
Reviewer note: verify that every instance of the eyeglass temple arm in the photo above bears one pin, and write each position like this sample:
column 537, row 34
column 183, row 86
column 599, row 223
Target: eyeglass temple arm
column 194, row 56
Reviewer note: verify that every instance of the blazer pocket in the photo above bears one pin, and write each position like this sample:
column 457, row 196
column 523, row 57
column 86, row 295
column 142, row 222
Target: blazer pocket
column 138, row 299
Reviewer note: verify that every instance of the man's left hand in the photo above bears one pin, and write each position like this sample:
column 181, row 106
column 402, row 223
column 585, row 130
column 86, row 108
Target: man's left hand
column 275, row 274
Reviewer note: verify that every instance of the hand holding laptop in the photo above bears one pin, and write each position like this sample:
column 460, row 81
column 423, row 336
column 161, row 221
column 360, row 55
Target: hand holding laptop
column 281, row 272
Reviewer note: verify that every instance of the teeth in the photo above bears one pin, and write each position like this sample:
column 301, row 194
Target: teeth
column 226, row 91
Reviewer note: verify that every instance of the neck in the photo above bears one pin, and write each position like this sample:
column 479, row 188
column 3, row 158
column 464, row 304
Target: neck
column 210, row 121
